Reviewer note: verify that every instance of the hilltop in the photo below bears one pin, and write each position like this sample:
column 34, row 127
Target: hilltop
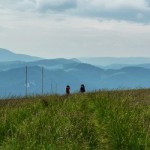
column 100, row 120
column 7, row 55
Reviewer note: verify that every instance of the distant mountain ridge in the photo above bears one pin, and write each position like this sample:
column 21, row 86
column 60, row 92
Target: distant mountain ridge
column 73, row 74
column 115, row 61
column 61, row 72
column 58, row 63
column 7, row 55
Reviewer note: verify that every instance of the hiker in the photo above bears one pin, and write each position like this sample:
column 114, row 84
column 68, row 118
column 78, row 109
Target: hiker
column 82, row 88
column 67, row 89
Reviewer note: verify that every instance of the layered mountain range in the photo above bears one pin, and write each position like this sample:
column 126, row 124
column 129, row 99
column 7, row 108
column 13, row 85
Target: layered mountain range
column 57, row 73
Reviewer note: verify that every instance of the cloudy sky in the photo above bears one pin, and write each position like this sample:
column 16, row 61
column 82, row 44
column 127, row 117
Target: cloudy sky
column 76, row 28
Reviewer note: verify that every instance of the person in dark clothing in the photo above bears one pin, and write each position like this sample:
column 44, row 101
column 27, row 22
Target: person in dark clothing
column 67, row 89
column 82, row 88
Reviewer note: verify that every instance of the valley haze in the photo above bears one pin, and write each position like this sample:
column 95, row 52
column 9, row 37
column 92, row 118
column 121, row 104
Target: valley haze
column 96, row 73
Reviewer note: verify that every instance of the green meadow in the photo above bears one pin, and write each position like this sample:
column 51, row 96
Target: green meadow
column 103, row 120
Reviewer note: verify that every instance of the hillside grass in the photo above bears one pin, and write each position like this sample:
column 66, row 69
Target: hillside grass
column 104, row 120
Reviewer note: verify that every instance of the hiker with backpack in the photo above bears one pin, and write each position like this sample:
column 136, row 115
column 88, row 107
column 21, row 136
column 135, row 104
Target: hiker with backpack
column 67, row 89
column 82, row 88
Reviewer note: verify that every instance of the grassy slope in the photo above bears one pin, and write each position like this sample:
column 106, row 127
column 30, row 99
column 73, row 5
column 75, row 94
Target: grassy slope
column 117, row 120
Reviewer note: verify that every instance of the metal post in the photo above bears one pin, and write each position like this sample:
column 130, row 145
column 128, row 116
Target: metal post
column 42, row 81
column 26, row 82
column 51, row 87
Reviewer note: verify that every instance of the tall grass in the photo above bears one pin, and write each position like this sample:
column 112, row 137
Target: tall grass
column 117, row 120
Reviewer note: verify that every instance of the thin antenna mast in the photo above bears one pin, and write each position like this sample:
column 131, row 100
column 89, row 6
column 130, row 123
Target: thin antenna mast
column 42, row 80
column 26, row 82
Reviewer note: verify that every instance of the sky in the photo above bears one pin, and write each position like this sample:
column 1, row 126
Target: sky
column 76, row 28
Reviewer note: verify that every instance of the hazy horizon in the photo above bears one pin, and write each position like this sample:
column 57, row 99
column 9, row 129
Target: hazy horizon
column 34, row 55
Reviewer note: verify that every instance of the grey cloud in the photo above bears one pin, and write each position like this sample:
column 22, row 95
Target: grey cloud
column 2, row 28
column 136, row 10
column 9, row 3
column 123, row 10
column 43, row 6
column 60, row 6
column 25, row 5
column 84, row 8
column 124, row 14
column 148, row 2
